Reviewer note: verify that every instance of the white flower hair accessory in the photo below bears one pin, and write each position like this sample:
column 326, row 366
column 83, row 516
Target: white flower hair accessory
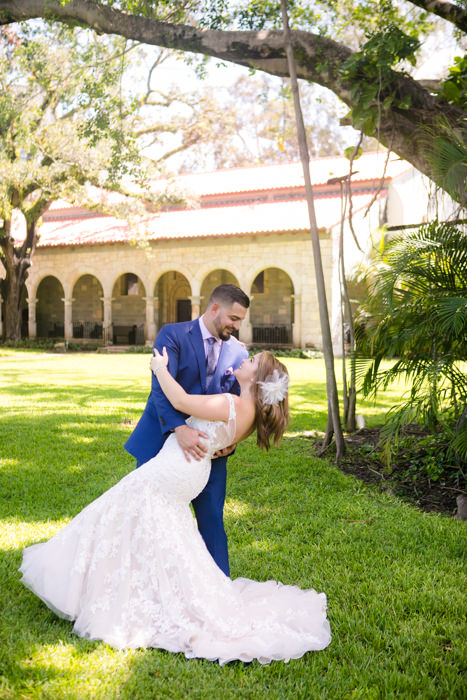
column 275, row 387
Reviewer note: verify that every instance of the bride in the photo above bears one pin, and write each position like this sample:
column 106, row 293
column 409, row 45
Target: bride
column 132, row 569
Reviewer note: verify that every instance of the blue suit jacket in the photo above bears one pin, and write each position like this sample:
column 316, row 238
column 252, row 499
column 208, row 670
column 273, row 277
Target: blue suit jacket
column 187, row 363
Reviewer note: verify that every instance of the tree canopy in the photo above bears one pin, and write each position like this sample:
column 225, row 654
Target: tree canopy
column 66, row 123
column 358, row 50
column 61, row 127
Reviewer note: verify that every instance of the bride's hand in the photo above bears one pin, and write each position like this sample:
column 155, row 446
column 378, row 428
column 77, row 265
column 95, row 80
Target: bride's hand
column 159, row 361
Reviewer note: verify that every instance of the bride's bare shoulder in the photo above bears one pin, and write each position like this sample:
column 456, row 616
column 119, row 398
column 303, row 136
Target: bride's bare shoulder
column 245, row 411
column 244, row 405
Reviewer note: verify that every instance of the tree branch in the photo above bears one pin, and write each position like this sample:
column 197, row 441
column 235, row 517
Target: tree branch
column 318, row 60
column 263, row 50
column 447, row 10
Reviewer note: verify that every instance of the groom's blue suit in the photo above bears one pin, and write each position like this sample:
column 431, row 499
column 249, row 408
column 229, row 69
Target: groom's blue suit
column 187, row 363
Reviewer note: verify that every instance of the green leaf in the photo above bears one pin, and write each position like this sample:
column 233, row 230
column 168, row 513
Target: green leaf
column 405, row 103
column 348, row 152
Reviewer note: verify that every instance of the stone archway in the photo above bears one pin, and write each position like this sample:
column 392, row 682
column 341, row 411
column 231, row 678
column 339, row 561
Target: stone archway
column 50, row 308
column 213, row 280
column 87, row 310
column 272, row 308
column 128, row 310
column 173, row 293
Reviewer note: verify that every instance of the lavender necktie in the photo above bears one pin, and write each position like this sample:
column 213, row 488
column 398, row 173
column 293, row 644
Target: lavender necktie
column 211, row 360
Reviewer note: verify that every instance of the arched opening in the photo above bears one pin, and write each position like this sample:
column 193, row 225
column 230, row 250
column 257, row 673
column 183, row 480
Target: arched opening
column 87, row 311
column 213, row 280
column 50, row 309
column 272, row 308
column 173, row 292
column 128, row 310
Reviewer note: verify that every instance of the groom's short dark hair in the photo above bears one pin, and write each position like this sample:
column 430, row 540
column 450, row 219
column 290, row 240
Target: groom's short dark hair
column 227, row 295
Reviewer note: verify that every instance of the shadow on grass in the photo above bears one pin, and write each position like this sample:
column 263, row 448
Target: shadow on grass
column 57, row 463
column 79, row 396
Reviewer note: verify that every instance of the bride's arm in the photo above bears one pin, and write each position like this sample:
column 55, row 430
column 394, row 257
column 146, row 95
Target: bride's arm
column 210, row 407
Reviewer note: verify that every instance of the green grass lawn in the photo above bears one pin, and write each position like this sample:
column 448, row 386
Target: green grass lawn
column 395, row 577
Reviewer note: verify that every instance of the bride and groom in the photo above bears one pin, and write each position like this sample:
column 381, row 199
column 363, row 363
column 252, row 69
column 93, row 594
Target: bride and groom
column 133, row 568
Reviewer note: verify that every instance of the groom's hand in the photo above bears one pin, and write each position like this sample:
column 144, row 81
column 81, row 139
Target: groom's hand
column 189, row 440
column 225, row 452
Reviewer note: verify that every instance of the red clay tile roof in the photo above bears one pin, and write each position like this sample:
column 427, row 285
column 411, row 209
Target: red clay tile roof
column 245, row 219
column 222, row 211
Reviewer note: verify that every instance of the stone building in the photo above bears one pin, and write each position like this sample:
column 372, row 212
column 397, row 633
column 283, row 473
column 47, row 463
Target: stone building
column 99, row 279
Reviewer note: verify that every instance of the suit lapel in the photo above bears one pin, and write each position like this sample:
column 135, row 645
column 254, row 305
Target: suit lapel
column 196, row 340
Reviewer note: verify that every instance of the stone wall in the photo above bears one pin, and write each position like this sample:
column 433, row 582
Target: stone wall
column 289, row 295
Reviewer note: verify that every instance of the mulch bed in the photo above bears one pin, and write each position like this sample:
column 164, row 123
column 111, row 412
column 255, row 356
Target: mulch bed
column 362, row 460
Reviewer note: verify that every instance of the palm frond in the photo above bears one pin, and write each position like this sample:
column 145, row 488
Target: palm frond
column 452, row 314
column 449, row 161
column 416, row 315
column 446, row 151
column 459, row 442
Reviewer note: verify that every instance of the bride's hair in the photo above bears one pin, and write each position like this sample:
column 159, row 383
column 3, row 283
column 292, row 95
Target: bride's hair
column 271, row 420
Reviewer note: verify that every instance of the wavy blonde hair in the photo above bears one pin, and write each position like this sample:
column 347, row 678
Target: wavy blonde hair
column 270, row 420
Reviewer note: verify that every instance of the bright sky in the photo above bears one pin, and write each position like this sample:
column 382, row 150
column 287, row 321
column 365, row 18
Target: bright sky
column 439, row 52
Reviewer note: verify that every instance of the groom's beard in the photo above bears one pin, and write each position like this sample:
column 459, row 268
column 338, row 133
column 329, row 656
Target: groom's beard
column 225, row 334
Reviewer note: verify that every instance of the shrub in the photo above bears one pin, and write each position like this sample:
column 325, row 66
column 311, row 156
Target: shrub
column 416, row 315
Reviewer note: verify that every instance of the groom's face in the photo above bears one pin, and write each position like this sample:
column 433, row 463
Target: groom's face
column 227, row 319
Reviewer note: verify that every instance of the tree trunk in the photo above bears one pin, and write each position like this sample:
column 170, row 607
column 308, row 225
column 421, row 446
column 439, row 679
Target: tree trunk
column 349, row 388
column 17, row 262
column 12, row 302
column 331, row 387
column 328, row 434
column 318, row 60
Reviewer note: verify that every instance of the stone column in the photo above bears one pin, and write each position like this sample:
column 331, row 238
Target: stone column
column 297, row 324
column 246, row 329
column 156, row 315
column 32, row 325
column 107, row 322
column 195, row 306
column 150, row 322
column 68, row 318
column 195, row 298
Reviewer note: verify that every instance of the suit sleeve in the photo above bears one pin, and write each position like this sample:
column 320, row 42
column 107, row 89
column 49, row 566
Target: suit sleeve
column 169, row 418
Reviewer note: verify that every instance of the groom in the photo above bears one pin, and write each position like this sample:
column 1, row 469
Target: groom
column 202, row 357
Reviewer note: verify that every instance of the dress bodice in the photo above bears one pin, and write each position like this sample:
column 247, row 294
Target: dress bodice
column 171, row 473
column 220, row 433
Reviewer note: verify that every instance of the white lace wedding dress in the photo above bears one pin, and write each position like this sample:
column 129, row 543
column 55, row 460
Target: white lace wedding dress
column 132, row 570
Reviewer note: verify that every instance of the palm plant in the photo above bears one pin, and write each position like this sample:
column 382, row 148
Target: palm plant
column 416, row 314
